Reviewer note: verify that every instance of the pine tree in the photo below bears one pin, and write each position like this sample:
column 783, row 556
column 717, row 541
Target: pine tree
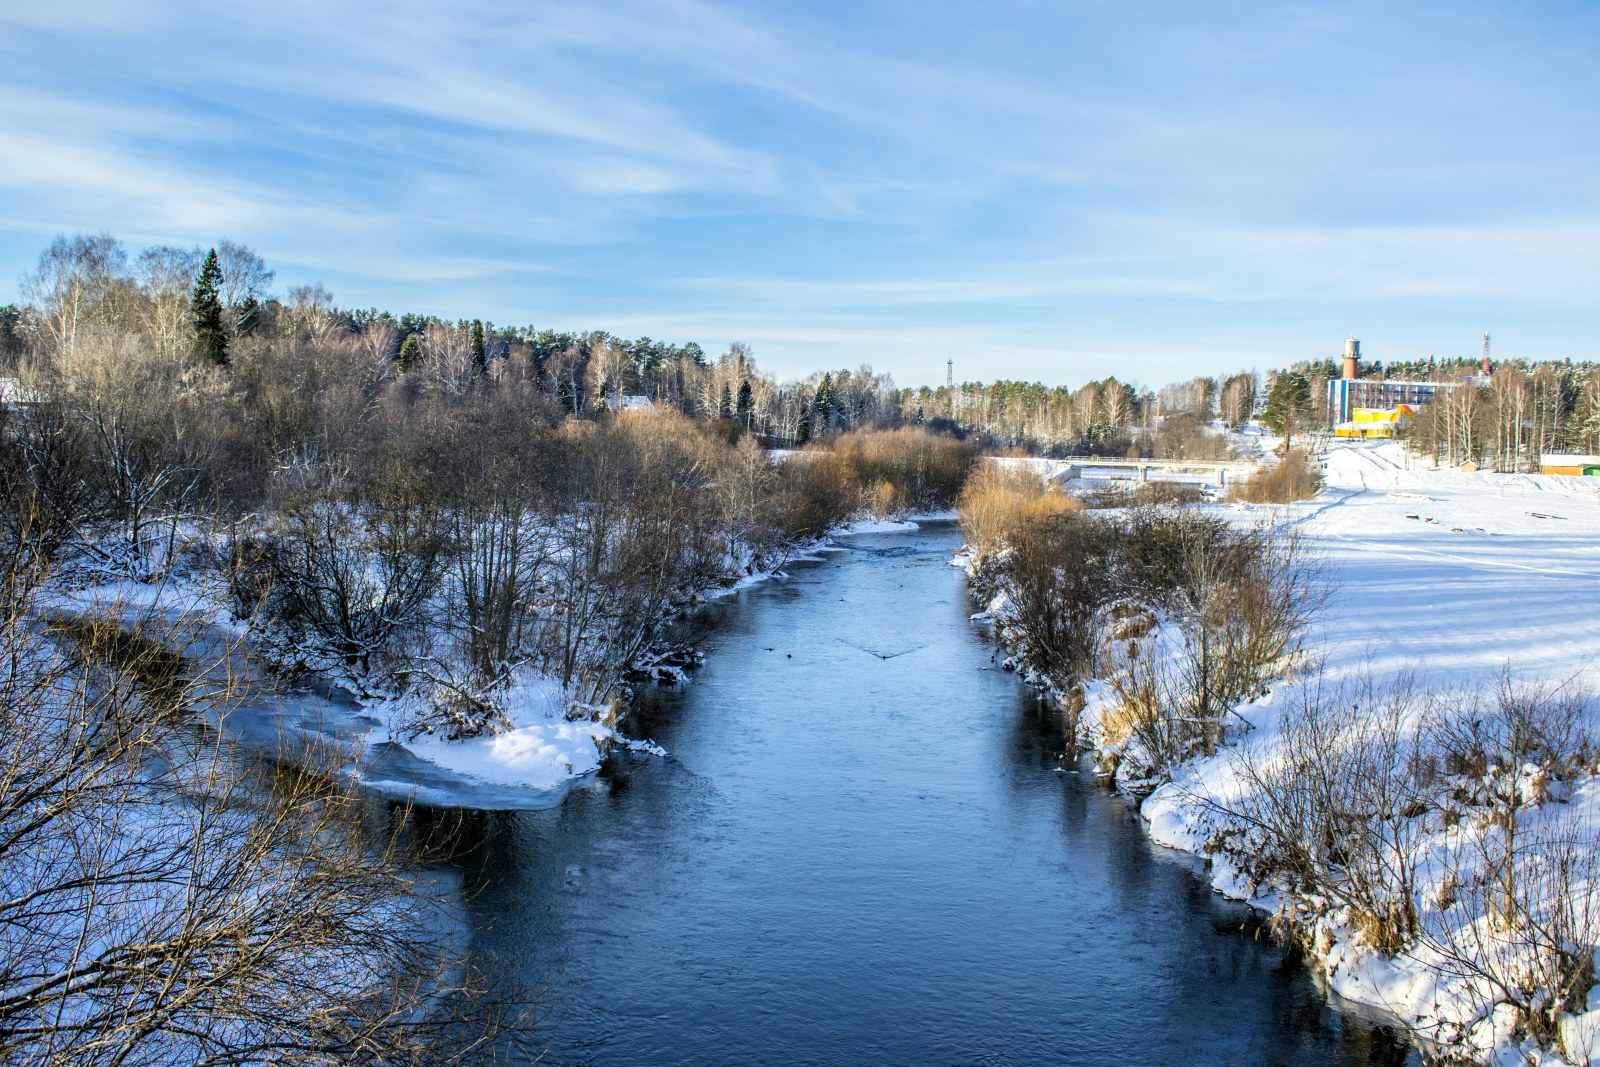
column 480, row 353
column 1583, row 429
column 725, row 405
column 210, row 334
column 1287, row 405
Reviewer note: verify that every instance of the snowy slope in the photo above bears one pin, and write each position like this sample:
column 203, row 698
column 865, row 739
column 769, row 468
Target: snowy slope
column 1455, row 577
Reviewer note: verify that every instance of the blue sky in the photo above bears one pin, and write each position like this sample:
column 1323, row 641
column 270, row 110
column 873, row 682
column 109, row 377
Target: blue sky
column 1037, row 190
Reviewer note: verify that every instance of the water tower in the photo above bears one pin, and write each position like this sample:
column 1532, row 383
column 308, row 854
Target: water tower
column 1352, row 356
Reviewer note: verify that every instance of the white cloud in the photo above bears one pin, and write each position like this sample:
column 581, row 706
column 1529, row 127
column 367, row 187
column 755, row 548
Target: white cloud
column 758, row 171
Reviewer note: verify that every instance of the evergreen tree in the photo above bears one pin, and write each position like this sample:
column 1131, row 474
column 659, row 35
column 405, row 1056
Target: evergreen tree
column 480, row 353
column 10, row 333
column 745, row 408
column 210, row 333
column 410, row 353
column 725, row 405
column 1583, row 429
column 1288, row 405
column 247, row 315
column 825, row 403
column 802, row 429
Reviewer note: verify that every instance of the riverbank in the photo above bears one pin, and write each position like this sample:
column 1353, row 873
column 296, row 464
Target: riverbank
column 1453, row 581
column 547, row 746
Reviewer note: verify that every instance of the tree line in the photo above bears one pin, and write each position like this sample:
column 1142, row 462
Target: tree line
column 216, row 308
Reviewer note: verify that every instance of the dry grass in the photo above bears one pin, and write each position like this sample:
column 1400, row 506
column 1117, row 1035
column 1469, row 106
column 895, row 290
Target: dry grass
column 901, row 470
column 1295, row 477
column 998, row 501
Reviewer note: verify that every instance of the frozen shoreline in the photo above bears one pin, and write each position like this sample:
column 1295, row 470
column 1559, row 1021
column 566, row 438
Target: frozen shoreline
column 1455, row 576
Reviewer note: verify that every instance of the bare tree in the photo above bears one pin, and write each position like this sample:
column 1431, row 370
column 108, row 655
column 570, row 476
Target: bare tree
column 167, row 274
column 246, row 283
column 348, row 573
column 73, row 275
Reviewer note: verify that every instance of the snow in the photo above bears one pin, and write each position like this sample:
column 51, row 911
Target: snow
column 872, row 526
column 895, row 524
column 1457, row 573
column 531, row 765
column 541, row 750
column 1456, row 577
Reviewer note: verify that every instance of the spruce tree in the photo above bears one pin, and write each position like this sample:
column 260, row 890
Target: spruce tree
column 825, row 402
column 1288, row 405
column 746, row 405
column 410, row 353
column 480, row 353
column 210, row 332
column 725, row 405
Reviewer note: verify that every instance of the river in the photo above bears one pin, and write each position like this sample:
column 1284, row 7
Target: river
column 860, row 849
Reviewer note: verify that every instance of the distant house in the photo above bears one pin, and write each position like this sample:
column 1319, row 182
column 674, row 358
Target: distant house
column 630, row 403
column 1569, row 463
column 1375, row 422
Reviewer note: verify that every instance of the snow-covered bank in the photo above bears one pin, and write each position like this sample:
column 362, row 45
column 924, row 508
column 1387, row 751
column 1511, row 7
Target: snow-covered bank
column 1455, row 579
column 548, row 743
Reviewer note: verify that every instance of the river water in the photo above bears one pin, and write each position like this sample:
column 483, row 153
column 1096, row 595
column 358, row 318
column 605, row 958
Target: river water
column 860, row 849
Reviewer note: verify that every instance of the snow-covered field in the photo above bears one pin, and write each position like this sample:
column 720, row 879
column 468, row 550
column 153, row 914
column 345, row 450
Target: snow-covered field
column 1457, row 573
column 1456, row 577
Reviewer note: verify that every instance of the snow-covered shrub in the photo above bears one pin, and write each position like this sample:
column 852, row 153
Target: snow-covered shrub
column 1061, row 573
column 1237, row 602
column 1431, row 825
column 1332, row 815
column 1528, row 920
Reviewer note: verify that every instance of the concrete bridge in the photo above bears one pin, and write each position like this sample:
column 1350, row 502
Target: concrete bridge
column 1204, row 472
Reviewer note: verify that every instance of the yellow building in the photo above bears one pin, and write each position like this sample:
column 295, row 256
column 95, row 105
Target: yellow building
column 1568, row 463
column 1375, row 422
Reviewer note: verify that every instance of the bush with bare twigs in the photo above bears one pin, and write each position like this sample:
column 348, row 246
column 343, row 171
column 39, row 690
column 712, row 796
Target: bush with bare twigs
column 1238, row 603
column 1430, row 824
column 1114, row 494
column 165, row 899
column 998, row 500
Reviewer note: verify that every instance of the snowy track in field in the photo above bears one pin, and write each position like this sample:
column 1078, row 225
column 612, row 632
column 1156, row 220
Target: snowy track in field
column 1456, row 573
